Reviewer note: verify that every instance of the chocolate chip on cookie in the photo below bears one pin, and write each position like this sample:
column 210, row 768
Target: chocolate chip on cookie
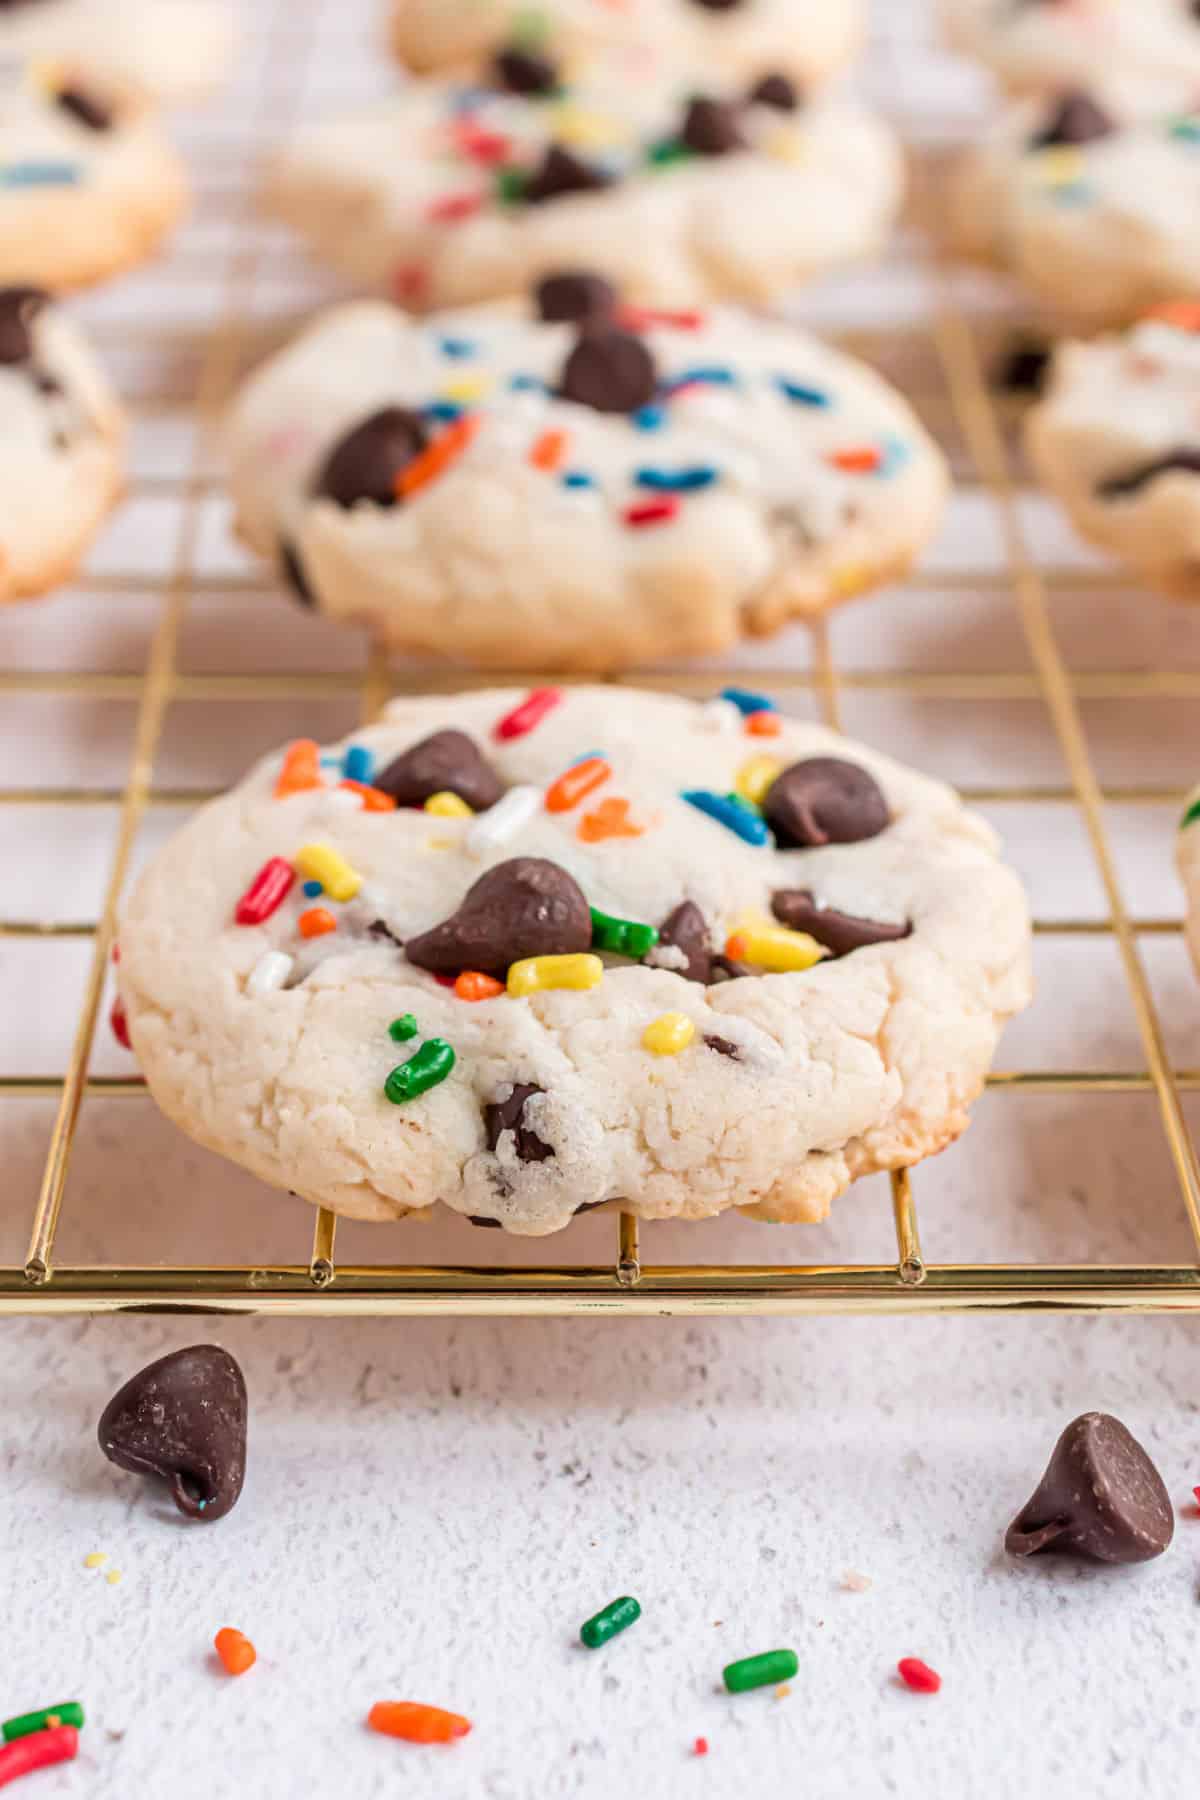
column 447, row 762
column 183, row 1418
column 364, row 464
column 824, row 800
column 562, row 172
column 610, row 370
column 776, row 90
column 686, row 930
column 19, row 306
column 524, row 71
column 1183, row 460
column 506, row 1115
column 293, row 573
column 837, row 932
column 1101, row 1497
column 724, row 1047
column 711, row 127
column 575, row 296
column 1077, row 120
column 525, row 907
column 85, row 107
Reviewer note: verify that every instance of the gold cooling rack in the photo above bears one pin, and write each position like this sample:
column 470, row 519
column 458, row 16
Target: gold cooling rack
column 626, row 1285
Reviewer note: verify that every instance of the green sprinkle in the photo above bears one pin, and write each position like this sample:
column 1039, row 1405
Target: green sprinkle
column 760, row 1671
column 1191, row 815
column 511, row 185
column 69, row 1713
column 431, row 1065
column 666, row 151
column 624, row 937
column 617, row 1616
column 403, row 1028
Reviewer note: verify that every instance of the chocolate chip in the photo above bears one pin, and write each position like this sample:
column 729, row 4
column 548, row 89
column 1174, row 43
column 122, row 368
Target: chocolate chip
column 711, row 128
column 824, row 800
column 1101, row 1497
column 364, row 464
column 686, row 930
column 484, row 1224
column 1184, row 460
column 775, row 90
column 1077, row 120
column 724, row 1047
column 575, row 296
column 85, row 107
column 506, row 1115
column 46, row 384
column 293, row 573
column 525, row 907
column 19, row 306
column 378, row 928
column 609, row 370
column 183, row 1418
column 448, row 762
column 1023, row 370
column 718, row 5
column 562, row 172
column 837, row 932
column 724, row 968
column 524, row 72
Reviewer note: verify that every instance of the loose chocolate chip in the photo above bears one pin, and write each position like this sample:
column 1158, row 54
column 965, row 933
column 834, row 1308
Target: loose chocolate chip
column 183, row 1418
column 293, row 573
column 610, row 370
column 525, row 907
column 1023, row 370
column 575, row 296
column 19, row 306
column 724, row 1047
column 686, row 930
column 484, row 1224
column 85, row 107
column 1077, row 120
column 824, row 800
column 447, row 762
column 775, row 90
column 364, row 464
column 711, row 128
column 837, row 932
column 1101, row 1496
column 506, row 1115
column 524, row 72
column 1182, row 459
column 562, row 172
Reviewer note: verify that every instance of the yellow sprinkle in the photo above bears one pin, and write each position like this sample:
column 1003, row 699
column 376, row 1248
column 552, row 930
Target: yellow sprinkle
column 586, row 131
column 466, row 387
column 449, row 806
column 669, row 1034
column 774, row 947
column 755, row 777
column 786, row 146
column 96, row 1560
column 440, row 844
column 1058, row 165
column 113, row 1576
column 321, row 862
column 537, row 973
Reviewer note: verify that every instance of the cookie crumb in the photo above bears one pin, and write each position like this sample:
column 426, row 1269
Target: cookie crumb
column 854, row 1583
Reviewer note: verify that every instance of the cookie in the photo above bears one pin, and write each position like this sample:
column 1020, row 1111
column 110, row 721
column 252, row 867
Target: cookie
column 1044, row 46
column 1087, row 203
column 528, row 954
column 1187, row 861
column 1116, row 438
column 61, row 442
column 161, row 50
column 678, row 188
column 802, row 41
column 88, row 182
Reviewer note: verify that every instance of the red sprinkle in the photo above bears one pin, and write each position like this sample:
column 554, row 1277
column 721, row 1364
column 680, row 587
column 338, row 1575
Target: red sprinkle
column 448, row 981
column 120, row 1025
column 861, row 459
column 532, row 710
column 637, row 318
column 410, row 283
column 918, row 1675
column 488, row 147
column 1196, row 1491
column 40, row 1750
column 452, row 208
column 266, row 893
column 651, row 512
column 700, row 1747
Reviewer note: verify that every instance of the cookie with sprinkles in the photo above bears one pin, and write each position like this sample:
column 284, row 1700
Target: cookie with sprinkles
column 61, row 441
column 661, row 967
column 800, row 42
column 589, row 488
column 1046, row 46
column 160, row 50
column 1116, row 438
column 679, row 185
column 1087, row 201
column 89, row 184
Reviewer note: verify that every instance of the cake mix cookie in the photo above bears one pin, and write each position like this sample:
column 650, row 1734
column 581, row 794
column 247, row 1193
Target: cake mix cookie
column 531, row 953
column 1117, row 438
column 88, row 182
column 1089, row 204
column 806, row 41
column 679, row 187
column 61, row 444
column 576, row 482
column 1039, row 46
column 165, row 50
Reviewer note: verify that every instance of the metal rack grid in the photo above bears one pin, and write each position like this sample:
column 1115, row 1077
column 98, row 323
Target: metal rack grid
column 319, row 1283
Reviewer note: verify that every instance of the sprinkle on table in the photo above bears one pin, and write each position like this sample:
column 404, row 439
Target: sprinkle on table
column 729, row 811
column 576, row 783
column 95, row 1559
column 765, row 1670
column 669, row 1034
column 540, row 974
column 236, row 1652
column 918, row 1675
column 612, row 1619
column 67, row 1712
column 531, row 711
column 430, row 1066
column 700, row 1747
column 266, row 893
column 41, row 1750
column 417, row 1724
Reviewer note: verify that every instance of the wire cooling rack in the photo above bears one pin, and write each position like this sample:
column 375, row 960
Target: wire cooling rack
column 940, row 348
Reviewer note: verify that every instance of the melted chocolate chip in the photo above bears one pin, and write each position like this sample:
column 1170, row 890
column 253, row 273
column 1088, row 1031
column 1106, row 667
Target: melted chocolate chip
column 724, row 1047
column 686, row 930
column 1023, row 370
column 1077, row 120
column 775, row 90
column 364, row 464
column 824, row 800
column 447, row 762
column 183, row 1418
column 711, row 127
column 1184, row 460
column 1100, row 1497
column 575, row 296
column 293, row 573
column 19, row 306
column 85, row 107
column 609, row 370
column 837, row 932
column 506, row 1115
column 525, row 907
column 562, row 172
column 524, row 72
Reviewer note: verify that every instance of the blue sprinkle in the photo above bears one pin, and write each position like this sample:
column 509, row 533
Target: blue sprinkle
column 896, row 453
column 576, row 478
column 312, row 889
column 676, row 481
column 456, row 348
column 445, row 411
column 1073, row 193
column 359, row 764
column 524, row 384
column 586, row 757
column 1189, row 129
column 733, row 814
column 331, row 762
column 802, row 395
column 649, row 418
column 712, row 375
column 747, row 701
column 467, row 98
column 39, row 174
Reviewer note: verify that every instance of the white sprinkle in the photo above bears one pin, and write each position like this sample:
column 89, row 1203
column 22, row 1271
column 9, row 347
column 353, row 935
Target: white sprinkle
column 666, row 956
column 505, row 819
column 721, row 716
column 342, row 799
column 270, row 971
column 854, row 1583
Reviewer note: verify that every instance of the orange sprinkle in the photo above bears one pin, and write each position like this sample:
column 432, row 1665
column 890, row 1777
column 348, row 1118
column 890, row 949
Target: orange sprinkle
column 373, row 799
column 444, row 450
column 609, row 820
column 736, row 947
column 236, row 1652
column 763, row 724
column 576, row 783
column 301, row 768
column 471, row 985
column 316, row 922
column 417, row 1724
column 860, row 460
column 549, row 450
column 1183, row 314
